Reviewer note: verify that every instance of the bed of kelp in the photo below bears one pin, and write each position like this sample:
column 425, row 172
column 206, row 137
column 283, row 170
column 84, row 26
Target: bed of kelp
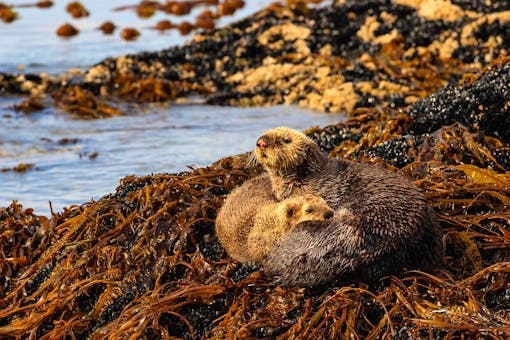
column 144, row 261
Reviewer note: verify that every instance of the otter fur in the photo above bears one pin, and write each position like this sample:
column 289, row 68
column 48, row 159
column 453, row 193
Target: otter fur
column 236, row 216
column 385, row 224
column 276, row 219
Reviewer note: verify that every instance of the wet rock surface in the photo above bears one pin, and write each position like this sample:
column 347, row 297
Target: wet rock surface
column 421, row 98
column 481, row 105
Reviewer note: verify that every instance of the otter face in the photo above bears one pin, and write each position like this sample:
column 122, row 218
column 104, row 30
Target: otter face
column 305, row 208
column 282, row 149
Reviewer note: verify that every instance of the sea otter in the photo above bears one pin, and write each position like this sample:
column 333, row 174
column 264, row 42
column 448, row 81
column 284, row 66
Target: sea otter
column 386, row 224
column 276, row 219
column 236, row 217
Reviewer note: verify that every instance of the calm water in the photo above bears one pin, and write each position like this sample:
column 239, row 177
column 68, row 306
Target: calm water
column 31, row 41
column 159, row 138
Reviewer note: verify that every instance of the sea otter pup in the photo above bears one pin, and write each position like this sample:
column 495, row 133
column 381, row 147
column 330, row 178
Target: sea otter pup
column 277, row 219
column 388, row 226
column 236, row 217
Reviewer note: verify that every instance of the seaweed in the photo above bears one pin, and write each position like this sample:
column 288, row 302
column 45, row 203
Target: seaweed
column 144, row 261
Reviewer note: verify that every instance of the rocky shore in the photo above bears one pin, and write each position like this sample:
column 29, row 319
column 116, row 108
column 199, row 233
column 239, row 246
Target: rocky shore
column 426, row 88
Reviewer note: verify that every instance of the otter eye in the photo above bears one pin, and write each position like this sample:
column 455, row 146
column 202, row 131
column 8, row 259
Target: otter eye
column 287, row 140
column 309, row 210
column 290, row 212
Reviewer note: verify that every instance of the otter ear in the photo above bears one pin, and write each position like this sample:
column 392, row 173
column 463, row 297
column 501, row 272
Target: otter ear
column 290, row 212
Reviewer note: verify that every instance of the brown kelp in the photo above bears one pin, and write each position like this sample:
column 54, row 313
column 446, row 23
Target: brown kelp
column 144, row 261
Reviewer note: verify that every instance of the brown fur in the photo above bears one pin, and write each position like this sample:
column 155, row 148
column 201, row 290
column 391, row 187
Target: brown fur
column 389, row 227
column 277, row 219
column 236, row 216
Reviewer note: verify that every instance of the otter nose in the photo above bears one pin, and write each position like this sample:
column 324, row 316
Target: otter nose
column 328, row 215
column 263, row 142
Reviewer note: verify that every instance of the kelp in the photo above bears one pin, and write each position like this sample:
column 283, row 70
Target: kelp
column 21, row 167
column 144, row 261
column 84, row 103
column 102, row 273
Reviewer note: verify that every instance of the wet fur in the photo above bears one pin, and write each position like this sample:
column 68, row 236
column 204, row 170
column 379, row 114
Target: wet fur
column 273, row 221
column 236, row 217
column 389, row 225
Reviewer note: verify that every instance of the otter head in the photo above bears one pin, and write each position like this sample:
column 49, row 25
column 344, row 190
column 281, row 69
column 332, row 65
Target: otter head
column 298, row 209
column 282, row 149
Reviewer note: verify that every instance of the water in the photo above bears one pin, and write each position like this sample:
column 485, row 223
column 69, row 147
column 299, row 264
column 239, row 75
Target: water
column 32, row 43
column 164, row 139
column 78, row 160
